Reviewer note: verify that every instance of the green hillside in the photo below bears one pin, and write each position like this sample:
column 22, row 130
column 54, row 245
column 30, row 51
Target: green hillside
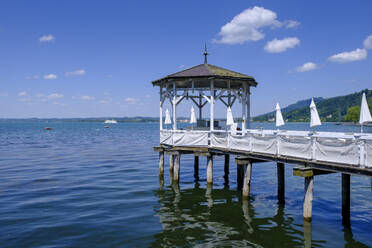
column 329, row 109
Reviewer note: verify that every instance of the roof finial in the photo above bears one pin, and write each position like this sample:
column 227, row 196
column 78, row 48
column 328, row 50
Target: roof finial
column 205, row 53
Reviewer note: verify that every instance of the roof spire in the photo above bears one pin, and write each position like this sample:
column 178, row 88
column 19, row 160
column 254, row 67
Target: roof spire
column 205, row 53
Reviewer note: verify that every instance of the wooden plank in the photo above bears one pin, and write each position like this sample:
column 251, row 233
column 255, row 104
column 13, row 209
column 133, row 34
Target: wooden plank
column 247, row 160
column 158, row 149
column 309, row 172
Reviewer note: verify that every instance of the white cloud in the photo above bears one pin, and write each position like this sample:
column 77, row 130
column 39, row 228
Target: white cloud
column 73, row 73
column 23, row 93
column 39, row 95
column 358, row 54
column 307, row 67
column 131, row 100
column 50, row 76
column 181, row 66
column 246, row 26
column 368, row 42
column 47, row 38
column 278, row 46
column 55, row 96
column 87, row 97
column 3, row 94
column 291, row 24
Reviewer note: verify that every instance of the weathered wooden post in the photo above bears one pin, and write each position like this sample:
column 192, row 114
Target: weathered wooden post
column 239, row 175
column 308, row 201
column 281, row 182
column 177, row 160
column 247, row 180
column 345, row 199
column 171, row 162
column 226, row 168
column 161, row 163
column 210, row 169
column 196, row 167
column 308, row 236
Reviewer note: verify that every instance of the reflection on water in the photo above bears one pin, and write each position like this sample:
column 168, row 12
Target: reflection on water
column 209, row 217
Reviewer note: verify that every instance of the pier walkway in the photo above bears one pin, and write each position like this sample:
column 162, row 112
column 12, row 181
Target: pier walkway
column 313, row 153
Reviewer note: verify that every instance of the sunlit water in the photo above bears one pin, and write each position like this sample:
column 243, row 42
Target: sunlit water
column 81, row 185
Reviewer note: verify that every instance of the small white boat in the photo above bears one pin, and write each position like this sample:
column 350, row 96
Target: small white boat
column 110, row 121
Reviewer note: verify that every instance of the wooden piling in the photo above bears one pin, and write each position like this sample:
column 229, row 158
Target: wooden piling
column 196, row 167
column 171, row 163
column 308, row 200
column 210, row 169
column 345, row 199
column 239, row 175
column 161, row 163
column 176, row 170
column 247, row 180
column 281, row 182
column 226, row 168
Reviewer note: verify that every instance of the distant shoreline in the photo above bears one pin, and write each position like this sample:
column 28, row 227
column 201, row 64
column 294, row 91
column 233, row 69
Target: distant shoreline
column 144, row 119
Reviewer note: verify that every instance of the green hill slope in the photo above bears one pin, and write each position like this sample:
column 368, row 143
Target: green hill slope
column 329, row 109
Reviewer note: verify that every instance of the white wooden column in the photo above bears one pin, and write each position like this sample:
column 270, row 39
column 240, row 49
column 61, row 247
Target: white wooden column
column 174, row 103
column 244, row 106
column 212, row 107
column 161, row 109
column 248, row 102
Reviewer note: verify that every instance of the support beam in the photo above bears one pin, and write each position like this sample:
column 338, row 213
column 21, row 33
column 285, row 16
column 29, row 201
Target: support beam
column 281, row 182
column 226, row 168
column 210, row 169
column 308, row 200
column 247, row 180
column 196, row 167
column 176, row 174
column 161, row 163
column 345, row 199
column 309, row 172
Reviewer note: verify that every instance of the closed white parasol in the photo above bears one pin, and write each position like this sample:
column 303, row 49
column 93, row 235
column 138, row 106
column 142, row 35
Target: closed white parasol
column 279, row 118
column 365, row 115
column 314, row 116
column 229, row 117
column 167, row 117
column 193, row 117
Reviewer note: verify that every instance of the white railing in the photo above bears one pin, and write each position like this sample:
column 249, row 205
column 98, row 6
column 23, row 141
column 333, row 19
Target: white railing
column 345, row 148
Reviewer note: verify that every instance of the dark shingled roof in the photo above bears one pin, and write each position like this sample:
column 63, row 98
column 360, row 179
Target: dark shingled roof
column 206, row 71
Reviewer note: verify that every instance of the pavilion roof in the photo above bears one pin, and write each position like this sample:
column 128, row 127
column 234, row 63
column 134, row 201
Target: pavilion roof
column 204, row 71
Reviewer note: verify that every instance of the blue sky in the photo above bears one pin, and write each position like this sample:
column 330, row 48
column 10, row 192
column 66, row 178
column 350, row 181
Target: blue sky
column 98, row 58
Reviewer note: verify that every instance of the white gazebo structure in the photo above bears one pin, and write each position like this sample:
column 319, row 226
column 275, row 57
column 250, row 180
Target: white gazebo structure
column 202, row 84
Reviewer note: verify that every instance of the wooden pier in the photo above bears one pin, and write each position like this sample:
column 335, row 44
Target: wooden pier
column 245, row 161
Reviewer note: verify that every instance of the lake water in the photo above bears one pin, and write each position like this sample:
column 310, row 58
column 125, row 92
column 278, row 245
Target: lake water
column 81, row 185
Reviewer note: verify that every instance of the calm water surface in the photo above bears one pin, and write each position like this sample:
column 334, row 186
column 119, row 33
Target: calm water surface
column 81, row 185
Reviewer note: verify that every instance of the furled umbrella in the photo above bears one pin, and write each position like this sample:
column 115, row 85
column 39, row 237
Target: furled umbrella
column 193, row 117
column 167, row 118
column 279, row 117
column 314, row 116
column 229, row 117
column 365, row 115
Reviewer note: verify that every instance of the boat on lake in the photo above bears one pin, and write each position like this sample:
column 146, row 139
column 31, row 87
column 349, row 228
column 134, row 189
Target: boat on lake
column 110, row 121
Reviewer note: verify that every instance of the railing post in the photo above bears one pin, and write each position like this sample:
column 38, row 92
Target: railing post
column 362, row 154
